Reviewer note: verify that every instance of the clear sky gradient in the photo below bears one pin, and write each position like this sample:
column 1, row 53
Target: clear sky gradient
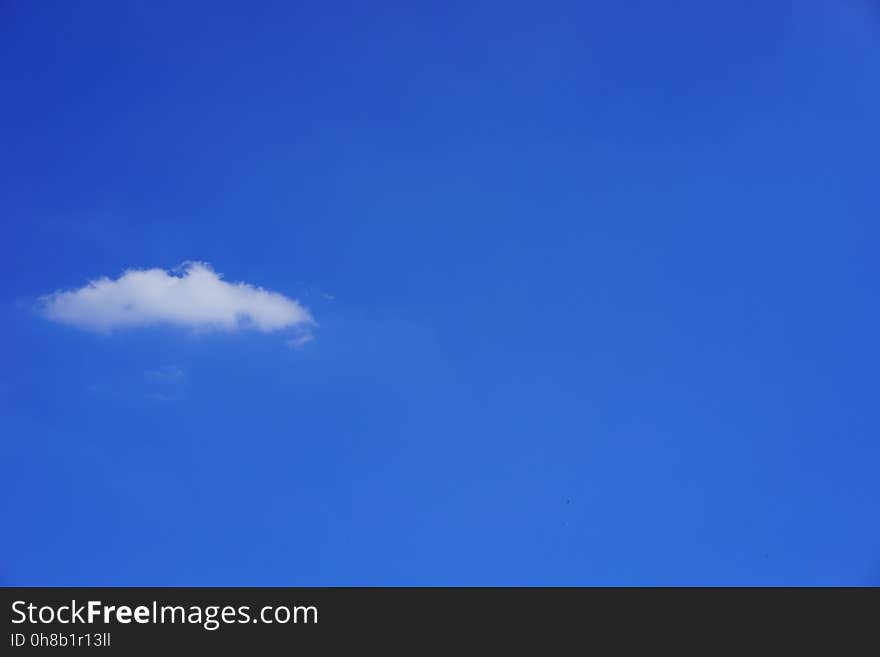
column 595, row 287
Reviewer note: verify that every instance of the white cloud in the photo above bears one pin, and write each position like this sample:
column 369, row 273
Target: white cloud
column 301, row 339
column 167, row 374
column 198, row 298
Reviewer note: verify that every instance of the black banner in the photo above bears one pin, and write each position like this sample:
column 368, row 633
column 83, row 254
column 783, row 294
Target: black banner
column 128, row 620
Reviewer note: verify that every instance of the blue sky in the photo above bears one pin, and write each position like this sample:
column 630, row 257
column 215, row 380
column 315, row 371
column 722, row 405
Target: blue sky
column 594, row 290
